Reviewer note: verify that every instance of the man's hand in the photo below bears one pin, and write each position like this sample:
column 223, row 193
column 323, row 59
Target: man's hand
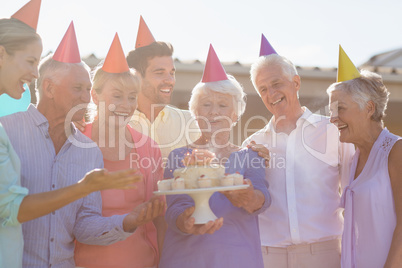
column 143, row 214
column 261, row 150
column 101, row 179
column 185, row 223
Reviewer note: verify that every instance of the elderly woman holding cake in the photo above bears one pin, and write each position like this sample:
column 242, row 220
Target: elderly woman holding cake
column 233, row 239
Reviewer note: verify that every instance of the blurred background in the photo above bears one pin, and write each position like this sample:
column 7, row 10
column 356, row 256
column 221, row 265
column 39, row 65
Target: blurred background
column 307, row 32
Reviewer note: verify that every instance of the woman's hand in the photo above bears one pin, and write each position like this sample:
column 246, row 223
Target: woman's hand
column 101, row 179
column 185, row 223
column 249, row 199
column 199, row 157
column 37, row 205
column 241, row 198
column 143, row 214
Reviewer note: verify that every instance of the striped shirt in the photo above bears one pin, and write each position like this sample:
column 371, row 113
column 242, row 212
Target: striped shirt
column 49, row 240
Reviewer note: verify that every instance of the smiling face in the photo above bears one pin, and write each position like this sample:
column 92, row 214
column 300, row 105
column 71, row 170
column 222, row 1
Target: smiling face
column 159, row 80
column 19, row 68
column 348, row 117
column 120, row 102
column 215, row 111
column 277, row 91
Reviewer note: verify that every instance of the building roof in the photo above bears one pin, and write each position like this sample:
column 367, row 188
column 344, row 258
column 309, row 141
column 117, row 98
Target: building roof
column 388, row 64
column 391, row 59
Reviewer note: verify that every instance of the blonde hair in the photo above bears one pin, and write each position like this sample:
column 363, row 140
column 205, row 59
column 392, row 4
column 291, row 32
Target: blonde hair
column 129, row 79
column 16, row 35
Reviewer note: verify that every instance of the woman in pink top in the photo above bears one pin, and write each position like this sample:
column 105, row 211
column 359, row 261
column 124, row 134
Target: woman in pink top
column 373, row 200
column 114, row 91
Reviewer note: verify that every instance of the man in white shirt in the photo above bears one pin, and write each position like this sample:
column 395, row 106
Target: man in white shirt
column 303, row 225
column 170, row 127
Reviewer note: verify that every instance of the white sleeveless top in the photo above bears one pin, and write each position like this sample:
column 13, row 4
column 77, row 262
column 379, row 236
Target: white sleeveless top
column 370, row 217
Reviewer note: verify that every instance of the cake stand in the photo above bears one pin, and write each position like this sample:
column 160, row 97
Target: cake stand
column 202, row 212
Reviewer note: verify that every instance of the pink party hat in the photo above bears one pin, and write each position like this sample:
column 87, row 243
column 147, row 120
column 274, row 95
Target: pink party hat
column 68, row 49
column 29, row 13
column 266, row 48
column 115, row 61
column 213, row 70
column 144, row 35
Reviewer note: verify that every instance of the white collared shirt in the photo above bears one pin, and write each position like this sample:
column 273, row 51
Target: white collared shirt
column 172, row 128
column 304, row 179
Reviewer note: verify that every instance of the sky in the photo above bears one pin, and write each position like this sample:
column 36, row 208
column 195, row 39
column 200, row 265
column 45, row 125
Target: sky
column 308, row 32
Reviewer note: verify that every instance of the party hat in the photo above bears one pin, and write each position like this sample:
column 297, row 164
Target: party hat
column 144, row 35
column 346, row 68
column 213, row 70
column 29, row 13
column 115, row 61
column 68, row 49
column 266, row 48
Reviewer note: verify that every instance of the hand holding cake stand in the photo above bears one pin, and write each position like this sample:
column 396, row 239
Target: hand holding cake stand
column 202, row 212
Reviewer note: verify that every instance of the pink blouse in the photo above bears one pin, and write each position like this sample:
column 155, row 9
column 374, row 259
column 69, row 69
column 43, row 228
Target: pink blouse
column 370, row 217
column 140, row 249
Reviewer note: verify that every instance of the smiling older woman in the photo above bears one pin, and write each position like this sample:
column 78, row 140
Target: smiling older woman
column 114, row 91
column 373, row 200
column 233, row 239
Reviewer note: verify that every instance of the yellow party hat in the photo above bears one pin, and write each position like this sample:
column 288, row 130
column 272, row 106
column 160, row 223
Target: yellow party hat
column 346, row 69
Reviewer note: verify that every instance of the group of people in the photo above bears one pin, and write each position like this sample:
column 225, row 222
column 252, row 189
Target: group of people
column 76, row 194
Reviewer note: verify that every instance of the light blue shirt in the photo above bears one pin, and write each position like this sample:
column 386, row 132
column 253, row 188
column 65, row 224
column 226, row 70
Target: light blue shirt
column 11, row 196
column 49, row 240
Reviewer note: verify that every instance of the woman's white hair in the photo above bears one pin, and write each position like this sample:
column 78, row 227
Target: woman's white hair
column 368, row 87
column 229, row 86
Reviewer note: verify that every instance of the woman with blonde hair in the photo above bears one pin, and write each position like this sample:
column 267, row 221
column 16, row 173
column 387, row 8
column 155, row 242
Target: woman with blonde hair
column 20, row 51
column 114, row 91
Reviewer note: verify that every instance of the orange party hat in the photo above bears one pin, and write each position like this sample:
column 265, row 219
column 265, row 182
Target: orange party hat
column 29, row 13
column 115, row 61
column 213, row 70
column 144, row 35
column 68, row 49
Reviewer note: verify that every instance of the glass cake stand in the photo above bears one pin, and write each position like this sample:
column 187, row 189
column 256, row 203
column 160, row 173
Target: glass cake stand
column 202, row 212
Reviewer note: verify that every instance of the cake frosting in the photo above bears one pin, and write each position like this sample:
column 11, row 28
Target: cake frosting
column 200, row 171
column 238, row 178
column 191, row 174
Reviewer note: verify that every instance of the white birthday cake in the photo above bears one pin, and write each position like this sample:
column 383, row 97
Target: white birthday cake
column 200, row 172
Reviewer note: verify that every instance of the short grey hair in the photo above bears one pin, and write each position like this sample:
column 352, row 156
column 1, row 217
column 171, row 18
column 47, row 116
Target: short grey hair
column 288, row 68
column 368, row 87
column 230, row 86
column 50, row 68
